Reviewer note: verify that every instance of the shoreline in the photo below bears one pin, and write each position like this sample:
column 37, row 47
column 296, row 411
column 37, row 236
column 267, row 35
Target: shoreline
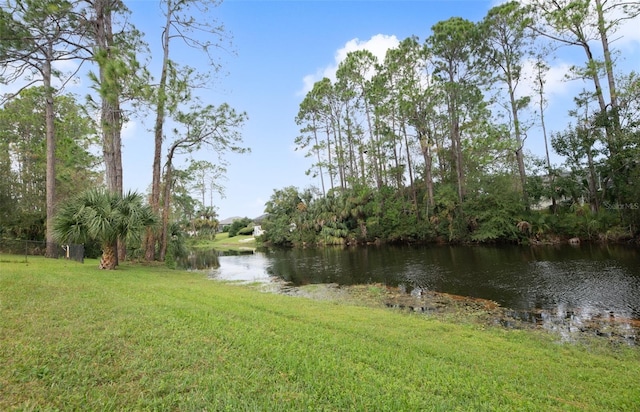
column 570, row 326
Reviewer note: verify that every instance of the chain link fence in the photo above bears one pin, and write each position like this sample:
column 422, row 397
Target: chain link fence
column 39, row 248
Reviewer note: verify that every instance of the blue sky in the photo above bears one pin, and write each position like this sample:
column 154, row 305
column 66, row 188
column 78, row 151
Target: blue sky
column 280, row 49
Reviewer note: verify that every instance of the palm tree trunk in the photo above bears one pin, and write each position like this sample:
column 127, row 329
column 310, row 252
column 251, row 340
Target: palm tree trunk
column 109, row 256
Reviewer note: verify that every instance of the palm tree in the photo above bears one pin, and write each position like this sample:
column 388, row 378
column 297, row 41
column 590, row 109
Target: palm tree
column 104, row 217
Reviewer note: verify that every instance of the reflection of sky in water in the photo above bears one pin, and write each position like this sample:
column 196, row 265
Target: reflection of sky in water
column 565, row 283
column 565, row 295
column 423, row 275
column 242, row 268
column 586, row 288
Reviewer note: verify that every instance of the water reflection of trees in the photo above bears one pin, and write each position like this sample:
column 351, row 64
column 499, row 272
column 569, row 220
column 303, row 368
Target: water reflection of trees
column 514, row 276
column 201, row 260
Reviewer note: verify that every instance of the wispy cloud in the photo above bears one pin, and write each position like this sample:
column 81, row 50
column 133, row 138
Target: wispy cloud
column 378, row 45
column 32, row 78
column 129, row 130
column 556, row 83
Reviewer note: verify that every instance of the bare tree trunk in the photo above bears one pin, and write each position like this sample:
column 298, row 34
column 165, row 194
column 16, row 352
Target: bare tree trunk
column 540, row 90
column 456, row 141
column 593, row 201
column 164, row 237
column 337, row 134
column 440, row 154
column 546, row 148
column 51, row 153
column 425, row 147
column 520, row 143
column 166, row 204
column 613, row 125
column 414, row 195
column 329, row 157
column 608, row 61
column 158, row 136
column 110, row 90
column 396, row 157
column 375, row 144
column 457, row 155
column 352, row 168
column 111, row 116
column 315, row 136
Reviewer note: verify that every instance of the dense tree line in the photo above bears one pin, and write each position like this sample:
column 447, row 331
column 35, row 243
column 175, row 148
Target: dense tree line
column 428, row 144
column 46, row 136
column 23, row 160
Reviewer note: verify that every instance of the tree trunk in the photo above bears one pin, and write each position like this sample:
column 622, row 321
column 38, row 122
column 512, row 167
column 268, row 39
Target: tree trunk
column 315, row 136
column 395, row 157
column 330, row 166
column 425, row 147
column 439, row 139
column 165, row 211
column 166, row 204
column 111, row 116
column 540, row 81
column 158, row 137
column 352, row 167
column 520, row 143
column 608, row 61
column 593, row 189
column 51, row 153
column 456, row 141
column 337, row 134
column 109, row 258
column 414, row 195
column 375, row 143
column 457, row 148
column 111, row 119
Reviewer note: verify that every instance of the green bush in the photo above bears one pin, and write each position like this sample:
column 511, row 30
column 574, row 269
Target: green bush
column 237, row 225
column 177, row 247
column 246, row 230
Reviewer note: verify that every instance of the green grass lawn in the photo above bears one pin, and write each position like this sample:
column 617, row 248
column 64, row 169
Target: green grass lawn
column 223, row 242
column 73, row 337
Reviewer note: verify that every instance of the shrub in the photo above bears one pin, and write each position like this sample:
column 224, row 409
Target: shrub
column 237, row 225
column 246, row 230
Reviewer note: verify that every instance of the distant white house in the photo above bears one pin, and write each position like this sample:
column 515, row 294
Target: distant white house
column 257, row 230
column 226, row 223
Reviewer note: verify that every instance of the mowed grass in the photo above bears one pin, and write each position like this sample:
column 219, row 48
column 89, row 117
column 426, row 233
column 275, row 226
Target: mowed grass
column 223, row 242
column 73, row 337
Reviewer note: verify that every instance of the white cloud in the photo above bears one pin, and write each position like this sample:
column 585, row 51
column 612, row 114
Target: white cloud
column 627, row 36
column 555, row 79
column 557, row 83
column 70, row 76
column 378, row 45
column 66, row 66
column 129, row 130
column 32, row 78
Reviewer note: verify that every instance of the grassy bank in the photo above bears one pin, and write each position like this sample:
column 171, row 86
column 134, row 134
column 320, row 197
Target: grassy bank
column 141, row 338
column 223, row 242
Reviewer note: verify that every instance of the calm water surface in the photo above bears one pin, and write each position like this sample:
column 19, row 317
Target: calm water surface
column 588, row 280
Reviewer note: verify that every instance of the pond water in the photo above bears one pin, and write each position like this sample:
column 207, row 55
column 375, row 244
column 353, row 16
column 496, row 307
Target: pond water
column 561, row 283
